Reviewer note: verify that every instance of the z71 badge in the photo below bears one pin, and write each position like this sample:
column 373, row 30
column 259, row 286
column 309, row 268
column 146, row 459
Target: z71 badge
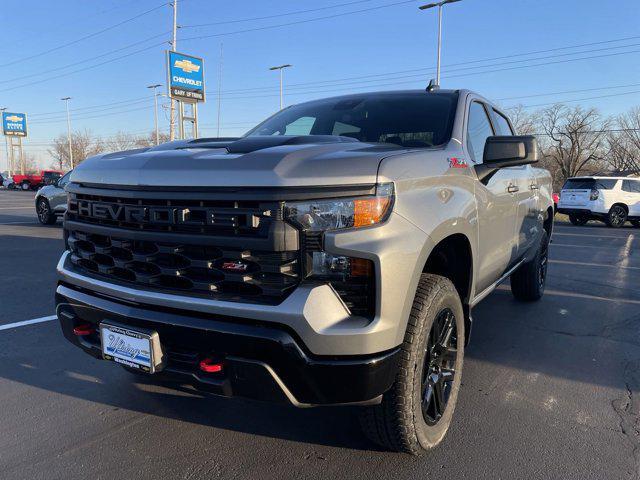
column 455, row 162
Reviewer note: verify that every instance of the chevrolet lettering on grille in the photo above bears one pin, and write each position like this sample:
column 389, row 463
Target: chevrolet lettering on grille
column 149, row 215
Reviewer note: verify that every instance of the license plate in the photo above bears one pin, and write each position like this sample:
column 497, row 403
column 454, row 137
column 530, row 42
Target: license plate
column 132, row 348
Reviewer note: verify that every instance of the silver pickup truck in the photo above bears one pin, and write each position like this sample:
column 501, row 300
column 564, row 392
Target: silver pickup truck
column 331, row 256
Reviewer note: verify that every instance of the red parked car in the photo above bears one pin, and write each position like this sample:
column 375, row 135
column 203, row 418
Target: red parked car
column 36, row 180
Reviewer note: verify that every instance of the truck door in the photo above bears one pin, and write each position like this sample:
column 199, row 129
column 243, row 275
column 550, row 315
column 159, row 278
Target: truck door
column 496, row 204
column 527, row 225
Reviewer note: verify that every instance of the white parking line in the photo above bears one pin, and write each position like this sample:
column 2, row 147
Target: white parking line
column 27, row 322
column 16, row 208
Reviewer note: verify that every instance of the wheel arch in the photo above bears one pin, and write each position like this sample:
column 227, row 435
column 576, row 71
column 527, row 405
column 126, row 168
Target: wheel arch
column 452, row 258
column 620, row 204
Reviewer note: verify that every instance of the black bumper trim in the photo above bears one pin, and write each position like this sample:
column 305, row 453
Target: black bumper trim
column 261, row 362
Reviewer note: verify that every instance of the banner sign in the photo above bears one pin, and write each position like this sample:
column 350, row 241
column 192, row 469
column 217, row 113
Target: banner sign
column 14, row 124
column 186, row 77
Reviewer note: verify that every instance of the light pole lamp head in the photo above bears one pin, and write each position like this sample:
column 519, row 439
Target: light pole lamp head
column 154, row 86
column 438, row 4
column 280, row 67
column 66, row 98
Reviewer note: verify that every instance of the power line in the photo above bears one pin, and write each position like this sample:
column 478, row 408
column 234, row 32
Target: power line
column 78, row 40
column 467, row 62
column 299, row 12
column 86, row 60
column 268, row 27
column 83, row 69
column 87, row 108
column 581, row 99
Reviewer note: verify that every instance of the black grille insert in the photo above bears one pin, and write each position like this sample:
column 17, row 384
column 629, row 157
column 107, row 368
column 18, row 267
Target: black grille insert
column 215, row 272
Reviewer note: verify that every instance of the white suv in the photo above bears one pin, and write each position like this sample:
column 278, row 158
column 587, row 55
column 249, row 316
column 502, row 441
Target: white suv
column 613, row 200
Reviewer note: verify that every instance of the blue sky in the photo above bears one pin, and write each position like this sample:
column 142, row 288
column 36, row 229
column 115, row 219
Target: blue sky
column 359, row 48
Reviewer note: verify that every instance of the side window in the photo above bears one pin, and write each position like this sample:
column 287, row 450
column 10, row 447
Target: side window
column 606, row 184
column 502, row 124
column 632, row 186
column 301, row 126
column 478, row 130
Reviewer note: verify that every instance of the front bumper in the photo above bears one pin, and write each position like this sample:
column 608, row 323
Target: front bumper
column 261, row 361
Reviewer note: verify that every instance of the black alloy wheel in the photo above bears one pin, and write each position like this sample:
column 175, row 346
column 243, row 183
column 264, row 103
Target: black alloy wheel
column 578, row 219
column 45, row 216
column 617, row 216
column 543, row 261
column 439, row 367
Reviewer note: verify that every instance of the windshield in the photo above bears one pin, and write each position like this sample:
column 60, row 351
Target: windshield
column 417, row 119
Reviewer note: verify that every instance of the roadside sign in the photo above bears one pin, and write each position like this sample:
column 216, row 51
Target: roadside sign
column 14, row 124
column 186, row 77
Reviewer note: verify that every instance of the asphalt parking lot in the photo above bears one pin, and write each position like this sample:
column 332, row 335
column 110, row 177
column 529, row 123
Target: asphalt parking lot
column 550, row 389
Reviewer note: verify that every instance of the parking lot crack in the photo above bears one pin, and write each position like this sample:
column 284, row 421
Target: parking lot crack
column 628, row 409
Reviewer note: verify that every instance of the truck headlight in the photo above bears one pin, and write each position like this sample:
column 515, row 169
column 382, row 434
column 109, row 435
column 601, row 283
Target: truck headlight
column 323, row 215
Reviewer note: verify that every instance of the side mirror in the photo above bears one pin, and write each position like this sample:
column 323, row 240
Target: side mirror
column 506, row 151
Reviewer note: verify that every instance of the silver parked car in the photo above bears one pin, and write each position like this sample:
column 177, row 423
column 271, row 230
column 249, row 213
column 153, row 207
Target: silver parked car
column 51, row 201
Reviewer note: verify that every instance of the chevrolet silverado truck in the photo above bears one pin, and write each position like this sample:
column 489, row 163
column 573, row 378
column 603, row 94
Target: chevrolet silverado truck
column 331, row 256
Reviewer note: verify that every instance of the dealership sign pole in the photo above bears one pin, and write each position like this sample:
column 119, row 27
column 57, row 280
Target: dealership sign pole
column 186, row 85
column 14, row 127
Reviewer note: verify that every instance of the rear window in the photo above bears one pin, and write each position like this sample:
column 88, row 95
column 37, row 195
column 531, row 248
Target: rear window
column 590, row 184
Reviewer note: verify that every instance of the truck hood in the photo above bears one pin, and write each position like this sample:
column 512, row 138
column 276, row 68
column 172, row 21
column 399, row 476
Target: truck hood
column 253, row 161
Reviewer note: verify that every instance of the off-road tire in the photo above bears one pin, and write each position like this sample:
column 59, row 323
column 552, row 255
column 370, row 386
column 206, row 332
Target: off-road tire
column 617, row 216
column 528, row 282
column 578, row 220
column 45, row 215
column 398, row 423
column 25, row 186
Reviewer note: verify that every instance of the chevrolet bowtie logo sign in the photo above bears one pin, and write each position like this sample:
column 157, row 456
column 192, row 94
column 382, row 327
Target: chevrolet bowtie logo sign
column 14, row 118
column 187, row 66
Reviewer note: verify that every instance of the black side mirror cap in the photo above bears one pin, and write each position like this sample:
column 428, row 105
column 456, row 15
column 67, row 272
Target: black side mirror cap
column 506, row 151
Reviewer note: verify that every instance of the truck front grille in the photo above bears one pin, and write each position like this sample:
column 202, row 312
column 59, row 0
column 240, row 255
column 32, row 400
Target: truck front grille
column 204, row 244
column 229, row 273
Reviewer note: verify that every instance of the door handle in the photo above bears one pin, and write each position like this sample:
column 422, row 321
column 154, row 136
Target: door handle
column 533, row 186
column 512, row 188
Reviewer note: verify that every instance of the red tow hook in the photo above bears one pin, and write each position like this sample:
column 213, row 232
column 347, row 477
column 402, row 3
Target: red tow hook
column 84, row 329
column 209, row 365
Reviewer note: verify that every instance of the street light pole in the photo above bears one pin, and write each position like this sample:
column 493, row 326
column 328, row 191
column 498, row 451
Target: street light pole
column 6, row 146
column 174, row 41
column 155, row 110
column 281, row 67
column 66, row 101
column 439, row 5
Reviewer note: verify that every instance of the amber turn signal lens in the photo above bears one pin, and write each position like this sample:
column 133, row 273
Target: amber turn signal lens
column 361, row 267
column 370, row 211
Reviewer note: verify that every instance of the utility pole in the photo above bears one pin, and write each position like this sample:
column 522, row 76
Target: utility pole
column 6, row 147
column 439, row 5
column 280, row 68
column 66, row 101
column 220, row 88
column 174, row 41
column 155, row 110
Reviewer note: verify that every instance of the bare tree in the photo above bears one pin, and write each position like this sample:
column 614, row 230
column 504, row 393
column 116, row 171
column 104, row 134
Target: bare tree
column 573, row 139
column 624, row 143
column 150, row 140
column 120, row 141
column 83, row 144
column 525, row 123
